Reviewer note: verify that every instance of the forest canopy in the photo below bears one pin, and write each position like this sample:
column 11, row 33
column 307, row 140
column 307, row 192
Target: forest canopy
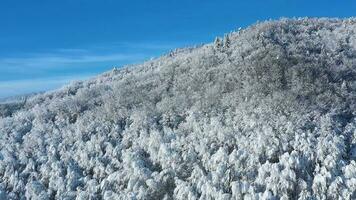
column 266, row 112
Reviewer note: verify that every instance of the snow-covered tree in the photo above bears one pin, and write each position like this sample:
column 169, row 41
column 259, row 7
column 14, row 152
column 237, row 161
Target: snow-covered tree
column 267, row 112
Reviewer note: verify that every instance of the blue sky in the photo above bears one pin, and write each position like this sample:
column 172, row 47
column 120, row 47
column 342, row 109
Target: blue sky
column 46, row 43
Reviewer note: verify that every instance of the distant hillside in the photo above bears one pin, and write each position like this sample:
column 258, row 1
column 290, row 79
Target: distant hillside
column 10, row 105
column 267, row 112
column 18, row 98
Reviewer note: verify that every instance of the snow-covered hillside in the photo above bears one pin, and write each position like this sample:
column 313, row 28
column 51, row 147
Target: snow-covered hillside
column 267, row 112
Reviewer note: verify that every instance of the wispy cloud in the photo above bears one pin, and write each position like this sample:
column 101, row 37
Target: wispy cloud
column 151, row 46
column 50, row 60
column 37, row 73
column 40, row 71
column 18, row 87
column 123, row 52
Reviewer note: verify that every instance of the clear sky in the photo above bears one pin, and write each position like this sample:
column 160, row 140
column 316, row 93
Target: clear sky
column 47, row 43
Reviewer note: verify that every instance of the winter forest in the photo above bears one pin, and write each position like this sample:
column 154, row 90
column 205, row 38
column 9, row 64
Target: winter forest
column 266, row 112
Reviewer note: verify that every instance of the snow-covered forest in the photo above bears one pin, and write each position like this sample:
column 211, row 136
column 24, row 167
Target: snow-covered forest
column 266, row 112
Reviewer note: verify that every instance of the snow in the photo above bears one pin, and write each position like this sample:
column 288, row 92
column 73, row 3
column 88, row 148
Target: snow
column 267, row 112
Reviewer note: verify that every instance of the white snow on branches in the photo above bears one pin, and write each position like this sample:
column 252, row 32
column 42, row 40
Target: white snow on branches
column 267, row 112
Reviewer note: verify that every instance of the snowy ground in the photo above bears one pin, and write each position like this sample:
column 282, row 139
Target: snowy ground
column 264, row 113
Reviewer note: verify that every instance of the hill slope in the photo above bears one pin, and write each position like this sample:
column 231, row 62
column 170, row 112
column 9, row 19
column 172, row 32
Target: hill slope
column 266, row 112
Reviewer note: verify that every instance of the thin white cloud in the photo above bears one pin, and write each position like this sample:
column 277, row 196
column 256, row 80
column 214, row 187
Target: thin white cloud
column 108, row 53
column 72, row 50
column 150, row 46
column 137, row 46
column 18, row 87
column 45, row 61
column 69, row 61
